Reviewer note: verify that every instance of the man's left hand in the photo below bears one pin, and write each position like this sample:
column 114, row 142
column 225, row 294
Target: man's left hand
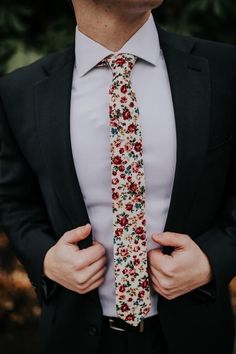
column 186, row 269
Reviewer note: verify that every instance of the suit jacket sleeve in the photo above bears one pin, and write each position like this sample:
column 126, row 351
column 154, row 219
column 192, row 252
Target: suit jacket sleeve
column 23, row 215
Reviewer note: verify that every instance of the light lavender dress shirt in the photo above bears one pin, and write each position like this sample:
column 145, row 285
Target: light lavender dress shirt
column 89, row 128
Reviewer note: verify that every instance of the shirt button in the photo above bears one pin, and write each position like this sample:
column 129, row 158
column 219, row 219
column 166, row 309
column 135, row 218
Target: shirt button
column 92, row 331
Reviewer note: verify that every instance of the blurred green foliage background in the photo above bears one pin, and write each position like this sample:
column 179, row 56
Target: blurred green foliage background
column 30, row 29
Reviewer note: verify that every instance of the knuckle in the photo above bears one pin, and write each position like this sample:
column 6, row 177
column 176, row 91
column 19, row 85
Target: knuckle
column 79, row 263
column 168, row 297
column 81, row 279
column 81, row 288
column 100, row 249
column 186, row 238
column 66, row 234
column 78, row 289
column 154, row 284
column 166, row 294
column 165, row 285
column 151, row 253
column 80, row 229
column 169, row 270
column 151, row 256
column 171, row 297
column 153, row 275
column 79, row 233
column 103, row 262
column 103, row 271
column 100, row 281
column 168, row 235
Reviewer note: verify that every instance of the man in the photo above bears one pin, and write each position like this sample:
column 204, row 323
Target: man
column 64, row 158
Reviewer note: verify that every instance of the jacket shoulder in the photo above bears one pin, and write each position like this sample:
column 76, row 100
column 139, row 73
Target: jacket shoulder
column 30, row 75
column 186, row 41
column 222, row 62
column 220, row 56
column 215, row 51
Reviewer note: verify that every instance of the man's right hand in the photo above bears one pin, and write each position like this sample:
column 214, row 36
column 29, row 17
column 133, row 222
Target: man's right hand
column 75, row 269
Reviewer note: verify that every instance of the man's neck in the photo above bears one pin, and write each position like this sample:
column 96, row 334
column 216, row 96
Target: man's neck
column 110, row 28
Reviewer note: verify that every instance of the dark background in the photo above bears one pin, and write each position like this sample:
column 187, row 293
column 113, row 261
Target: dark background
column 30, row 29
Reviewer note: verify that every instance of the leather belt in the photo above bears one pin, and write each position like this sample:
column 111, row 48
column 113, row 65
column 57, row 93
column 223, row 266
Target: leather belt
column 118, row 324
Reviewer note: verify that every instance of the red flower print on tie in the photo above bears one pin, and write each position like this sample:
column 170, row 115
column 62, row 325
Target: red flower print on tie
column 128, row 195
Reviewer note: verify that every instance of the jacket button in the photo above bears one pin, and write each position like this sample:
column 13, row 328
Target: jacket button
column 92, row 331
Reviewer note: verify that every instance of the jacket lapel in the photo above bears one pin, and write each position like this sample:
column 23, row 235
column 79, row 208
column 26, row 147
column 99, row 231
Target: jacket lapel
column 53, row 96
column 190, row 87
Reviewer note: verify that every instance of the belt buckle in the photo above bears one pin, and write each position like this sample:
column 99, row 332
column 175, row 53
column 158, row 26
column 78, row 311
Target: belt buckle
column 112, row 326
column 111, row 321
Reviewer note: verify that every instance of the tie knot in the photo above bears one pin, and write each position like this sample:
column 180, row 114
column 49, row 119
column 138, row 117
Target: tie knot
column 121, row 63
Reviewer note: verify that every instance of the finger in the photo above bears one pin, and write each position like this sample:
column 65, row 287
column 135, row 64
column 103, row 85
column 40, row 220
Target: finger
column 162, row 286
column 78, row 234
column 96, row 266
column 156, row 252
column 95, row 285
column 171, row 239
column 155, row 258
column 155, row 286
column 90, row 255
column 153, row 277
column 169, row 295
column 164, row 283
column 92, row 280
column 88, row 272
column 166, row 293
column 160, row 262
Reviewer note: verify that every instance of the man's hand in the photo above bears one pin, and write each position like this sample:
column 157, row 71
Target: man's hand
column 186, row 269
column 75, row 269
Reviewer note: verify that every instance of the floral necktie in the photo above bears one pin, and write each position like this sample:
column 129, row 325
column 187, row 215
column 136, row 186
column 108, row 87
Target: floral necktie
column 128, row 194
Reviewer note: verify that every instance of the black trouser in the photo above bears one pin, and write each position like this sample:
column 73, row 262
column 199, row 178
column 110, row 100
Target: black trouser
column 151, row 341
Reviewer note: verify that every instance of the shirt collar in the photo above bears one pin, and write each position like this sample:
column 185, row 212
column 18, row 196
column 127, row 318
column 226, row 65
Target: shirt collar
column 144, row 44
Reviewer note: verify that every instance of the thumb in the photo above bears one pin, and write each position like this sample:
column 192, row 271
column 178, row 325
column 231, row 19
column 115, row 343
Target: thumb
column 78, row 234
column 171, row 239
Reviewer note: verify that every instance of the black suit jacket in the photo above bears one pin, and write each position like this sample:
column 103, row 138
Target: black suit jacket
column 40, row 197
